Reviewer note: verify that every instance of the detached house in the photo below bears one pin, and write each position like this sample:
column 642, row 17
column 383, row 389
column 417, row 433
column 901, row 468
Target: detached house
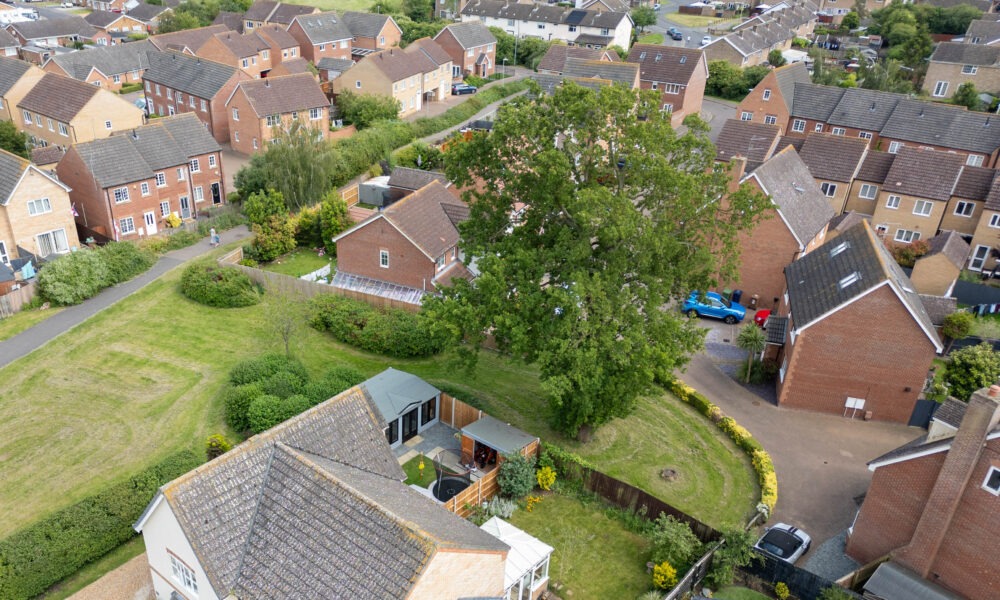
column 116, row 26
column 62, row 111
column 149, row 14
column 50, row 33
column 554, row 61
column 177, row 83
column 933, row 508
column 258, row 108
column 125, row 186
column 322, row 35
column 8, row 44
column 472, row 48
column 372, row 32
column 109, row 67
column 411, row 244
column 17, row 77
column 859, row 341
column 36, row 218
column 678, row 74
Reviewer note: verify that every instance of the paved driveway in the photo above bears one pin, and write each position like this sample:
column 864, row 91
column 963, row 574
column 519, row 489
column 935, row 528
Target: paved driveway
column 820, row 459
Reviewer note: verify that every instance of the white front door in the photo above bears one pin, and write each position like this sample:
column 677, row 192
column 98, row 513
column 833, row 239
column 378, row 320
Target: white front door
column 150, row 218
column 185, row 208
column 979, row 258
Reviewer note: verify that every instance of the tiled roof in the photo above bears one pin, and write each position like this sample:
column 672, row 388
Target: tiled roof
column 787, row 76
column 966, row 54
column 334, row 64
column 787, row 182
column 924, row 173
column 324, row 27
column 974, row 183
column 157, row 148
column 470, row 34
column 147, row 12
column 47, row 155
column 189, row 74
column 11, row 169
column 500, row 9
column 62, row 27
column 845, row 221
column 7, row 40
column 665, row 64
column 549, row 82
column 368, row 25
column 192, row 39
column 11, row 71
column 276, row 35
column 114, row 161
column 189, row 133
column 285, row 12
column 290, row 66
column 109, row 60
column 260, row 10
column 825, row 279
column 431, row 49
column 414, row 179
column 398, row 64
column 988, row 30
column 951, row 411
column 429, row 217
column 815, row 102
column 555, row 58
column 755, row 141
column 833, row 157
column 787, row 140
column 939, row 125
column 864, row 109
column 279, row 95
column 61, row 98
column 102, row 18
column 950, row 245
column 241, row 45
column 615, row 72
column 993, row 198
column 232, row 21
column 876, row 166
column 938, row 307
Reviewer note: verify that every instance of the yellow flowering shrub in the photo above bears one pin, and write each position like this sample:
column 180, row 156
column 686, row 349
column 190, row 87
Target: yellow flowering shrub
column 546, row 476
column 664, row 576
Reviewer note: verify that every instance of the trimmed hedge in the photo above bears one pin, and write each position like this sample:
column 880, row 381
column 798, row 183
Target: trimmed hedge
column 218, row 286
column 759, row 458
column 390, row 332
column 258, row 369
column 73, row 278
column 37, row 557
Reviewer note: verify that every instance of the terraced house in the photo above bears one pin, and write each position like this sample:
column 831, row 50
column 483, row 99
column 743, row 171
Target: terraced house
column 109, row 67
column 255, row 52
column 265, row 12
column 953, row 64
column 774, row 29
column 589, row 28
column 17, row 77
column 679, row 74
column 410, row 76
column 261, row 108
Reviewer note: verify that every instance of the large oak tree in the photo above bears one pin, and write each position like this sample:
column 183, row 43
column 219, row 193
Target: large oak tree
column 620, row 217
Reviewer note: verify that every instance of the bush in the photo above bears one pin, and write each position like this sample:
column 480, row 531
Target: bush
column 674, row 542
column 500, row 507
column 546, row 477
column 390, row 332
column 125, row 260
column 835, row 593
column 283, row 385
column 972, row 368
column 216, row 446
column 664, row 576
column 218, row 286
column 364, row 110
column 568, row 465
column 516, row 476
column 258, row 369
column 73, row 278
column 40, row 555
column 736, row 551
column 236, row 402
column 419, row 155
column 182, row 239
column 267, row 411
column 475, row 81
column 274, row 238
column 221, row 221
column 762, row 372
column 333, row 382
column 781, row 591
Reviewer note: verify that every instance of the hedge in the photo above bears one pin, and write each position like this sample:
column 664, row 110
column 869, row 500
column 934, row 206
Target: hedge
column 759, row 458
column 258, row 369
column 37, row 557
column 391, row 332
column 218, row 286
column 73, row 278
column 569, row 466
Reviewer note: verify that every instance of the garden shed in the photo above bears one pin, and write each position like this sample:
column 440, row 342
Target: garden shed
column 407, row 403
column 485, row 440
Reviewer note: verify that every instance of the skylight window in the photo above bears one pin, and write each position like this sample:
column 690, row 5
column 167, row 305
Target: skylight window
column 846, row 281
column 839, row 248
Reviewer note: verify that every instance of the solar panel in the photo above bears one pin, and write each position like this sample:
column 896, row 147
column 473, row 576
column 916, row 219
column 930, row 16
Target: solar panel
column 576, row 17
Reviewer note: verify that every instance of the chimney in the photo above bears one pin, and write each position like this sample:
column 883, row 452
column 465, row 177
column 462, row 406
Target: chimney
column 981, row 416
column 737, row 168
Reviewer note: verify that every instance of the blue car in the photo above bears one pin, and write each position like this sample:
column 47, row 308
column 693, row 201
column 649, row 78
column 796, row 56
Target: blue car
column 712, row 304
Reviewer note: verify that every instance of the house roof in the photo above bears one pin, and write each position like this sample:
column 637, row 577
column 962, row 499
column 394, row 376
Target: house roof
column 665, row 64
column 795, row 194
column 109, row 60
column 951, row 411
column 894, row 582
column 290, row 66
column 526, row 551
column 875, row 167
column 431, row 49
column 548, row 82
column 157, row 148
column 988, row 30
column 232, row 21
column 61, row 27
column 7, row 40
column 950, row 245
column 114, row 161
column 938, row 307
column 398, row 64
column 397, row 392
column 500, row 9
column 615, row 72
column 61, row 98
column 102, row 18
column 367, row 25
column 786, row 78
column 555, row 57
column 334, row 64
column 845, row 221
column 189, row 74
column 470, row 34
column 11, row 71
column 816, row 102
column 279, row 95
column 864, row 109
column 966, row 54
column 188, row 132
column 284, row 13
column 498, row 435
column 260, row 10
column 941, row 125
column 787, row 140
column 429, row 217
column 833, row 157
column 12, row 167
column 974, row 183
column 755, row 141
column 924, row 173
column 148, row 12
column 324, row 27
column 843, row 269
column 414, row 179
column 192, row 39
column 47, row 155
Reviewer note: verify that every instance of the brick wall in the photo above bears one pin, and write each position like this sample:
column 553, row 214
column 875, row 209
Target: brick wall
column 759, row 108
column 855, row 202
column 214, row 115
column 16, row 93
column 871, row 349
column 358, row 253
column 19, row 228
column 902, row 217
column 986, row 79
column 205, row 177
column 965, row 224
column 764, row 252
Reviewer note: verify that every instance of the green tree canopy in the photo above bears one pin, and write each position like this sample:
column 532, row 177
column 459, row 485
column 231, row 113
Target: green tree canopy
column 852, row 20
column 752, row 339
column 12, row 140
column 972, row 368
column 262, row 205
column 957, row 326
column 414, row 30
column 967, row 95
column 362, row 110
column 297, row 164
column 643, row 17
column 622, row 215
column 527, row 51
column 775, row 58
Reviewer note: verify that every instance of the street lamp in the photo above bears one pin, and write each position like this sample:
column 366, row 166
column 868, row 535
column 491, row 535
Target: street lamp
column 505, row 67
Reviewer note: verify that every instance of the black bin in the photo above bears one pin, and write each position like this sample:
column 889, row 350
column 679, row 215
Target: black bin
column 737, row 294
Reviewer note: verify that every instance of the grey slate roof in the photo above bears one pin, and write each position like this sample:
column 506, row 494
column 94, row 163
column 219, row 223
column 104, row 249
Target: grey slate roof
column 755, row 141
column 500, row 9
column 789, row 75
column 414, row 179
column 924, row 173
column 470, row 34
column 938, row 307
column 11, row 169
column 615, row 72
column 156, row 147
column 114, row 161
column 845, row 221
column 109, row 60
column 814, row 281
column 232, row 21
column 102, row 18
column 951, row 412
column 940, row 125
column 324, row 27
column 396, row 392
column 549, row 82
column 665, row 64
column 988, row 30
column 876, row 166
column 334, row 64
column 864, row 109
column 61, row 98
column 966, row 54
column 498, row 435
column 7, row 40
column 191, row 75
column 69, row 26
column 974, row 183
column 951, row 245
column 279, row 95
column 797, row 198
column 892, row 581
column 11, row 71
column 815, row 102
column 555, row 57
column 833, row 157
column 192, row 39
column 147, row 12
column 260, row 10
column 368, row 25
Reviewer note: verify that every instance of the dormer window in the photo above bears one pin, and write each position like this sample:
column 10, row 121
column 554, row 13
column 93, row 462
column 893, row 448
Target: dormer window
column 852, row 278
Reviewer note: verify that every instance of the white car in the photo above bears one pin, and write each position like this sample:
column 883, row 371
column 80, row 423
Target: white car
column 784, row 542
column 67, row 5
column 706, row 40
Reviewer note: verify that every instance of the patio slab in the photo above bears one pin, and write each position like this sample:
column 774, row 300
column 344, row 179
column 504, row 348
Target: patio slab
column 432, row 440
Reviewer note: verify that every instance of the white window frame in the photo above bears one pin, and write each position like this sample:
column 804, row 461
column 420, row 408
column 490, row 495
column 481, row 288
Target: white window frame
column 940, row 89
column 57, row 242
column 272, row 120
column 39, row 206
column 199, row 194
column 27, row 117
column 995, row 221
column 986, row 481
column 63, row 130
column 671, row 88
column 974, row 160
column 183, row 574
column 865, row 135
column 770, row 119
column 798, row 126
column 746, row 116
column 144, row 188
column 838, row 131
column 892, row 202
column 211, row 161
column 964, row 208
column 130, row 225
column 161, row 179
column 383, row 258
column 969, row 69
column 871, row 189
column 120, row 195
column 181, row 174
column 923, row 208
column 195, row 165
column 165, row 208
column 236, row 114
column 818, row 128
column 3, row 253
column 906, row 236
column 829, row 189
column 767, row 94
column 315, row 114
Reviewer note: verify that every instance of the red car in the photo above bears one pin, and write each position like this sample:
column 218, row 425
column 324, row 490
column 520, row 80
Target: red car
column 760, row 318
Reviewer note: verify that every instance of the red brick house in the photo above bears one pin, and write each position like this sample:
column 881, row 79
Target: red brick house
column 413, row 243
column 472, row 48
column 125, row 186
column 255, row 52
column 859, row 340
column 260, row 107
column 188, row 41
column 554, row 60
column 933, row 507
column 372, row 31
column 679, row 74
column 322, row 35
column 753, row 142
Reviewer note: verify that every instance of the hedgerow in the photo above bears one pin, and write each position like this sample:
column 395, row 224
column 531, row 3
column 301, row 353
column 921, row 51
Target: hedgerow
column 391, row 332
column 73, row 278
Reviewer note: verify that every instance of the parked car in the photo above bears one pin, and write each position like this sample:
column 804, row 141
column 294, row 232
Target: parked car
column 784, row 542
column 656, row 6
column 706, row 40
column 66, row 5
column 675, row 34
column 459, row 89
column 760, row 317
column 712, row 304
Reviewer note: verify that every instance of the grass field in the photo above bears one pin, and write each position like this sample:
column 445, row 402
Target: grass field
column 299, row 262
column 651, row 38
column 594, row 556
column 739, row 593
column 693, row 20
column 18, row 322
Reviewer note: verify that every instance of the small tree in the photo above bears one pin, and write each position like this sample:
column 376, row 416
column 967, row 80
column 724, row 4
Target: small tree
column 261, row 206
column 851, row 21
column 753, row 340
column 957, row 326
column 286, row 315
column 12, row 140
column 674, row 542
column 737, row 551
column 643, row 17
column 972, row 368
column 775, row 58
column 361, row 110
column 516, row 476
column 966, row 95
column 334, row 217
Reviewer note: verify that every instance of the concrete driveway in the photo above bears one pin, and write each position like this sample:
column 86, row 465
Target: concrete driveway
column 820, row 459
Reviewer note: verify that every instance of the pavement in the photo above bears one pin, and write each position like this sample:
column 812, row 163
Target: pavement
column 820, row 459
column 35, row 337
column 130, row 581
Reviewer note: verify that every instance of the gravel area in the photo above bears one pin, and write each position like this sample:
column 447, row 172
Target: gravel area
column 828, row 559
column 130, row 581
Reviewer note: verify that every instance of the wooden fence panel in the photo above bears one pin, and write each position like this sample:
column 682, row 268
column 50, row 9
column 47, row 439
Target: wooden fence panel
column 458, row 414
column 12, row 301
column 350, row 194
column 480, row 491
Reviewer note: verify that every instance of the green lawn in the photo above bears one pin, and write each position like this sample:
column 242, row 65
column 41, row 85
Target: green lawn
column 987, row 327
column 739, row 593
column 651, row 38
column 341, row 5
column 595, row 555
column 693, row 20
column 18, row 322
column 96, row 570
column 412, row 470
column 299, row 262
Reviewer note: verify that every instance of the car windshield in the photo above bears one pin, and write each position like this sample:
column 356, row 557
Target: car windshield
column 779, row 543
column 725, row 302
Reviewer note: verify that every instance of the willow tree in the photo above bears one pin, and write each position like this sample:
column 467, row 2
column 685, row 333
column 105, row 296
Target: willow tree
column 619, row 216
